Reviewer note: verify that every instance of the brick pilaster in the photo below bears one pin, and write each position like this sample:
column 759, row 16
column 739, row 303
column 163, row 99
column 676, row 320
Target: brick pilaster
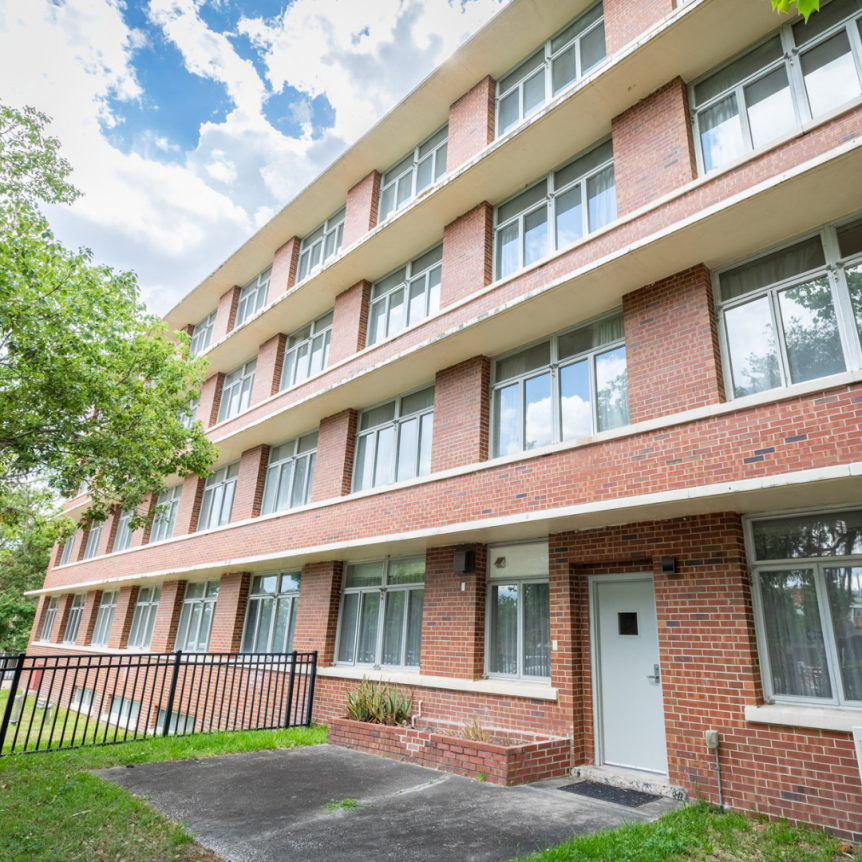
column 361, row 213
column 190, row 505
column 461, row 414
column 88, row 618
column 168, row 616
column 210, row 400
column 225, row 314
column 109, row 532
column 317, row 611
column 267, row 375
column 471, row 123
column 123, row 616
column 229, row 616
column 249, row 483
column 350, row 322
column 625, row 21
column 284, row 265
column 468, row 254
column 336, row 444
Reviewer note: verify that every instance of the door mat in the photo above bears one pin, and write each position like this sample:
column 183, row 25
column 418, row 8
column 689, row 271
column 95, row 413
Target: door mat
column 618, row 795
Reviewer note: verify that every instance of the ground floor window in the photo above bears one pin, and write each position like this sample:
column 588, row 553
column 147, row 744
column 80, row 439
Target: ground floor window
column 519, row 612
column 808, row 593
column 271, row 617
column 124, row 711
column 180, row 722
column 381, row 613
column 104, row 619
column 82, row 699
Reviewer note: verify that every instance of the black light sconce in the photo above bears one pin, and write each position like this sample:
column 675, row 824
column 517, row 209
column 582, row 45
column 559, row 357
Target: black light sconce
column 668, row 566
column 465, row 560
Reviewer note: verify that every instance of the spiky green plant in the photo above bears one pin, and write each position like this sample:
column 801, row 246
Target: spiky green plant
column 376, row 703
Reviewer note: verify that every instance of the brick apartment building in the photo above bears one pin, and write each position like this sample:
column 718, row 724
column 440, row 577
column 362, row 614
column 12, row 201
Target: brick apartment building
column 544, row 401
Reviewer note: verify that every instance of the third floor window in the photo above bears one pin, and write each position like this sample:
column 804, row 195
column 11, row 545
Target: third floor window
column 219, row 492
column 564, row 58
column 202, row 335
column 306, row 351
column 414, row 173
column 123, row 536
column 796, row 75
column 236, row 391
column 168, row 505
column 320, row 245
column 252, row 298
column 560, row 209
column 290, row 474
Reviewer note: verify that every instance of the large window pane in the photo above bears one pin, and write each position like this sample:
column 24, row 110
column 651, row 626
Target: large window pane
column 830, row 74
column 612, row 389
column 535, row 235
column 396, row 312
column 378, row 321
column 832, row 534
column 250, row 626
column 507, row 250
column 564, row 69
column 393, row 626
column 508, row 110
column 752, row 346
column 570, row 217
column 263, row 632
column 414, row 628
column 721, row 134
column 602, row 198
column 794, row 634
column 534, row 93
column 575, row 405
column 347, row 640
column 854, row 282
column 537, row 630
column 845, row 602
column 770, row 107
column 365, row 462
column 408, row 444
column 385, row 452
column 425, row 443
column 811, row 331
column 593, row 48
column 368, row 622
column 538, row 422
column 504, row 629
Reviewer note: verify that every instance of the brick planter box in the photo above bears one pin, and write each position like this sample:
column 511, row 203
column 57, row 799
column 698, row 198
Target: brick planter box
column 543, row 757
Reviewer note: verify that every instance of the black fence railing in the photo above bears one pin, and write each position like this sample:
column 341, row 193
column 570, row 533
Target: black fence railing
column 49, row 703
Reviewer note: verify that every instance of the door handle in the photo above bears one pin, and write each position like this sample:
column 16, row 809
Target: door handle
column 656, row 676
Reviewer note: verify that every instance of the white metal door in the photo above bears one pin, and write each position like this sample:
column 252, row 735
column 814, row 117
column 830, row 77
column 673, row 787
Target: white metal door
column 630, row 719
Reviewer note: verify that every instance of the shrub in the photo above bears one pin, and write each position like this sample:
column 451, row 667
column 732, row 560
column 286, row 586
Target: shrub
column 376, row 703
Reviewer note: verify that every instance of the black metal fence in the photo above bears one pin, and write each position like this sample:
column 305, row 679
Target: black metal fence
column 70, row 701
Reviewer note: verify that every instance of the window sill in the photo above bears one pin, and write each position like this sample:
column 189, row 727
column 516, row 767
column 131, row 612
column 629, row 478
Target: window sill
column 815, row 717
column 505, row 688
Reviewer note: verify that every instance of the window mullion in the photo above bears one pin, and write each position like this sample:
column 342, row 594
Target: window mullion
column 742, row 108
column 832, row 661
column 778, row 328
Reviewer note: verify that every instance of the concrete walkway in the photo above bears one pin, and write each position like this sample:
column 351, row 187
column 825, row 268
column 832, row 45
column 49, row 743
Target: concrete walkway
column 266, row 807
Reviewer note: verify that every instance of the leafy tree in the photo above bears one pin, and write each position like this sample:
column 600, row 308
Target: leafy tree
column 92, row 387
column 804, row 7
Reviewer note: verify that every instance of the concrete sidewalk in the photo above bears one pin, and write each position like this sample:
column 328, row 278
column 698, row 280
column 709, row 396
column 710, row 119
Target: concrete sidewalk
column 266, row 807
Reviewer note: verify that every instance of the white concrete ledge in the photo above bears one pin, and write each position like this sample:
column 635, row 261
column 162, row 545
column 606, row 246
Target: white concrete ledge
column 500, row 687
column 816, row 717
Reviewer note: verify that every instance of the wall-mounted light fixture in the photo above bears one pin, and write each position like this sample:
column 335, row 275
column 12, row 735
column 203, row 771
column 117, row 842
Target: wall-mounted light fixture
column 668, row 566
column 465, row 560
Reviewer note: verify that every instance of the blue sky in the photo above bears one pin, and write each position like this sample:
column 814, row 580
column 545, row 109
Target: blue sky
column 190, row 123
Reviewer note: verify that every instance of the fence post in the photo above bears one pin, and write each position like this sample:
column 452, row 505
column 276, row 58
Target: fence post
column 313, row 672
column 10, row 704
column 290, row 683
column 171, row 692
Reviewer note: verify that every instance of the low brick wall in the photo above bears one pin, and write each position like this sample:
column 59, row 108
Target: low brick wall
column 545, row 757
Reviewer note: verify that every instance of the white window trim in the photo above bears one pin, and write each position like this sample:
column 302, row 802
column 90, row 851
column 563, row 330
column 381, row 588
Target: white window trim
column 274, row 467
column 834, row 269
column 813, row 563
column 324, row 333
column 333, row 226
column 203, row 332
column 550, row 203
column 384, row 588
column 253, row 298
column 278, row 595
column 246, row 375
column 789, row 60
column 549, row 57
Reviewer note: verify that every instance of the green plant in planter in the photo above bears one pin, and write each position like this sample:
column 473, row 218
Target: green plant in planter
column 376, row 703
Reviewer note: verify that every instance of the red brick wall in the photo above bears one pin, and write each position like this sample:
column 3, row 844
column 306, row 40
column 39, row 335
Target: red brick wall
column 461, row 414
column 350, row 322
column 88, row 618
column 189, row 509
column 123, row 616
column 653, row 147
column 468, row 254
column 229, row 616
column 317, row 610
column 672, row 348
column 225, row 314
column 453, row 621
column 248, row 499
column 267, row 375
column 210, row 400
column 284, row 266
column 625, row 21
column 168, row 616
column 333, row 466
column 361, row 213
column 471, row 123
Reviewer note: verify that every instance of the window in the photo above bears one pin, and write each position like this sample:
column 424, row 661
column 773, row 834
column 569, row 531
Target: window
column 568, row 386
column 202, row 335
column 104, row 619
column 252, row 298
column 73, row 621
column 793, row 314
column 271, row 616
column 569, row 55
column 180, row 722
column 320, row 245
column 145, row 617
column 381, row 613
column 82, row 699
column 236, row 391
column 290, row 474
column 196, row 618
column 808, row 591
column 124, row 711
column 189, row 416
column 68, row 545
column 797, row 74
column 218, row 497
column 93, row 536
column 48, row 621
column 394, row 442
column 168, row 506
column 414, row 173
column 560, row 209
column 406, row 296
column 519, row 612
column 123, row 537
column 307, row 351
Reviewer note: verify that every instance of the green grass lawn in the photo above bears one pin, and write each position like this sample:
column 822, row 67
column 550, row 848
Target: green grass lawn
column 52, row 808
column 702, row 834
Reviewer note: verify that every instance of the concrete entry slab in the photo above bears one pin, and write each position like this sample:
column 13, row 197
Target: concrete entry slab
column 267, row 806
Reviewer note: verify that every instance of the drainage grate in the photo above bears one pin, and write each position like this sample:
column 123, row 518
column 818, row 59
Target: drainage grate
column 629, row 798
